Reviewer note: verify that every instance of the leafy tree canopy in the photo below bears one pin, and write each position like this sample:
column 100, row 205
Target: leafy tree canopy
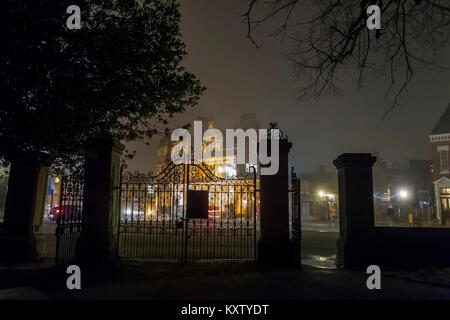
column 120, row 74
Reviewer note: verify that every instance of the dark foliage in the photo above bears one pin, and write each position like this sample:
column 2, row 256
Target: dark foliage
column 119, row 75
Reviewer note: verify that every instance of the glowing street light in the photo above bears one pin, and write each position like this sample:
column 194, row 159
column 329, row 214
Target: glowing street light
column 321, row 194
column 403, row 194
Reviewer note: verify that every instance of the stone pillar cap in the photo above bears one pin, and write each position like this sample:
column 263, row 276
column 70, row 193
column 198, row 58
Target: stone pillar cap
column 354, row 160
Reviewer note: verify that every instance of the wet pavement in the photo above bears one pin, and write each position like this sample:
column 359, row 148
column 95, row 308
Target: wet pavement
column 318, row 279
column 319, row 244
column 215, row 281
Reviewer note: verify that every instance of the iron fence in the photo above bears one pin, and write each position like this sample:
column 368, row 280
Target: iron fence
column 155, row 223
column 69, row 215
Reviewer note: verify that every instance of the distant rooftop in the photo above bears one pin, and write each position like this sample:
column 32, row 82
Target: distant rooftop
column 443, row 125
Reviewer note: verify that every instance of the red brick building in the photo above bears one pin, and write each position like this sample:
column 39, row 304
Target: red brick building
column 440, row 166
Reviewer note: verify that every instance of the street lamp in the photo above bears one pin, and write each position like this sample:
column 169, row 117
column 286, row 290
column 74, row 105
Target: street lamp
column 403, row 194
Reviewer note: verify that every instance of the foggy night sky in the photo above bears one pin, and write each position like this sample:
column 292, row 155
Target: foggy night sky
column 241, row 78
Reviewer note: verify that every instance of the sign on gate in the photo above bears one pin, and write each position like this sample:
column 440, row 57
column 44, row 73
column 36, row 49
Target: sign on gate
column 197, row 204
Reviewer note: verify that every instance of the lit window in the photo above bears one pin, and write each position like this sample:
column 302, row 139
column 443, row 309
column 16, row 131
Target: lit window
column 443, row 155
column 230, row 171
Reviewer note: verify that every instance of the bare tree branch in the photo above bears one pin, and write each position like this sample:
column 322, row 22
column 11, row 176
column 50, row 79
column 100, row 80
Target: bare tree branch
column 331, row 35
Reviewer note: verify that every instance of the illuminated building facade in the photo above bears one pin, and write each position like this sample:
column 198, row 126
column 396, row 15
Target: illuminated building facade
column 226, row 198
column 440, row 167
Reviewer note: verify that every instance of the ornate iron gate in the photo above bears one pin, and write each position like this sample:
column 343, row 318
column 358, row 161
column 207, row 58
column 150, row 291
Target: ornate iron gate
column 295, row 219
column 69, row 214
column 187, row 213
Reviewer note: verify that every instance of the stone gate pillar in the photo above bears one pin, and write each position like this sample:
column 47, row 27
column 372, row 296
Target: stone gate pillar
column 275, row 246
column 101, row 204
column 24, row 202
column 356, row 213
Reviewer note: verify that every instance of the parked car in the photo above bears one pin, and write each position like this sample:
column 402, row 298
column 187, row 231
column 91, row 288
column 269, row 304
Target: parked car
column 214, row 212
column 67, row 211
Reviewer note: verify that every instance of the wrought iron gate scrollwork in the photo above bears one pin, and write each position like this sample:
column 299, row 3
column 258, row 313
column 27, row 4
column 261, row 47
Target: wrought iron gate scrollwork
column 69, row 216
column 153, row 223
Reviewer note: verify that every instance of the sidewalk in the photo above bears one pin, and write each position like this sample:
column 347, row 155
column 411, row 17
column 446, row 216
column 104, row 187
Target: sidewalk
column 138, row 280
column 320, row 226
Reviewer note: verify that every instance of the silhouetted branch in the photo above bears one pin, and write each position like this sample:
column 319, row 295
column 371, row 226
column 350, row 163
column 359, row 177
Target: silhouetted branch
column 332, row 34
